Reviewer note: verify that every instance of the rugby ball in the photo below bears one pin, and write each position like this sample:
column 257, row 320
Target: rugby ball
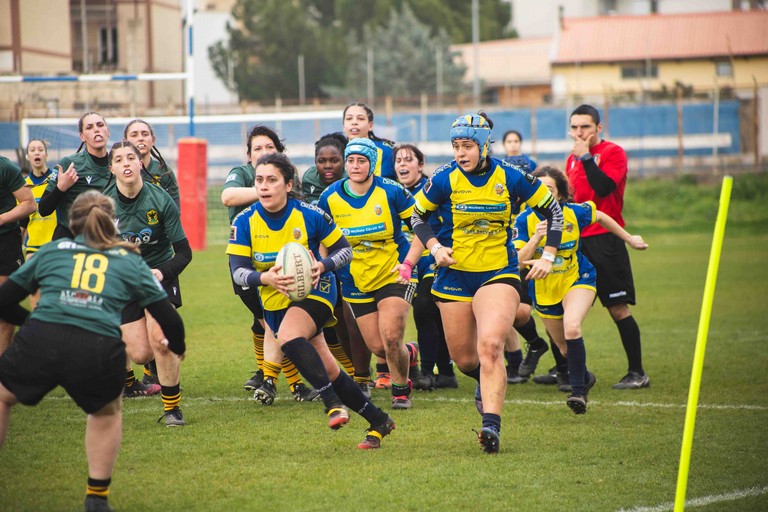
column 297, row 263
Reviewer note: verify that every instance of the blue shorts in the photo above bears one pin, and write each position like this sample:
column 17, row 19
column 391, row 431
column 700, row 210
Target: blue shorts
column 459, row 285
column 426, row 267
column 319, row 305
column 586, row 280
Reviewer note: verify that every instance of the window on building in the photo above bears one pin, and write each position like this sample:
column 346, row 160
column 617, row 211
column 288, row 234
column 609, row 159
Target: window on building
column 108, row 45
column 639, row 70
column 724, row 68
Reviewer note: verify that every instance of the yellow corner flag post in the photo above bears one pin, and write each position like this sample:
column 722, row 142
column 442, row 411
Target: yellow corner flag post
column 701, row 343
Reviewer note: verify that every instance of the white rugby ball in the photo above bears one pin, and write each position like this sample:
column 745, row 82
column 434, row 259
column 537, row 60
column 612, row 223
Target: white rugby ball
column 297, row 263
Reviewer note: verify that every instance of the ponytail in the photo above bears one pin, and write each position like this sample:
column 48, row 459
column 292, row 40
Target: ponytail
column 92, row 215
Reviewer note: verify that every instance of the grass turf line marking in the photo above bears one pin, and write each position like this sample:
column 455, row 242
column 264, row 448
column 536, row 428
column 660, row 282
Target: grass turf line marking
column 704, row 500
column 203, row 399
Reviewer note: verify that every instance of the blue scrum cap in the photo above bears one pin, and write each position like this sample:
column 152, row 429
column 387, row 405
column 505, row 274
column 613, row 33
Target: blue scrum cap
column 365, row 147
column 475, row 128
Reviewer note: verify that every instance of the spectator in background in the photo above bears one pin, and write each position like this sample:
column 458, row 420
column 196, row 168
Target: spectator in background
column 513, row 141
column 597, row 172
column 358, row 122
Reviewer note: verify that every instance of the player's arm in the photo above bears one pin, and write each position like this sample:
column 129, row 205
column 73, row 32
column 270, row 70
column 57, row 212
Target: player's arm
column 339, row 254
column 235, row 192
column 634, row 241
column 546, row 206
column 26, row 206
column 11, row 294
column 600, row 182
column 171, row 324
column 243, row 272
column 181, row 258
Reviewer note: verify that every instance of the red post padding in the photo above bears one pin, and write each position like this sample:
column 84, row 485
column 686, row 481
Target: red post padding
column 193, row 189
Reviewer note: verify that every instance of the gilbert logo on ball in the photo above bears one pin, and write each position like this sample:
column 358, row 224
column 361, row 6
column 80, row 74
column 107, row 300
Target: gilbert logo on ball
column 297, row 263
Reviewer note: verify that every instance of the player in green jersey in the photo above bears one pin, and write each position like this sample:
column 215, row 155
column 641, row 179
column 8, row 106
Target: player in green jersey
column 86, row 170
column 147, row 217
column 16, row 203
column 154, row 168
column 72, row 339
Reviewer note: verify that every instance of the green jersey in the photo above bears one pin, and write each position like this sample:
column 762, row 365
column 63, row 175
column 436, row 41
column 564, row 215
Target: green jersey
column 151, row 221
column 242, row 176
column 90, row 176
column 163, row 178
column 86, row 287
column 11, row 180
column 312, row 186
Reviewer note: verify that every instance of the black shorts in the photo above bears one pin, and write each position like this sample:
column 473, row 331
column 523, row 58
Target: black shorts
column 318, row 311
column 11, row 255
column 404, row 291
column 89, row 366
column 514, row 283
column 609, row 255
column 132, row 311
column 525, row 297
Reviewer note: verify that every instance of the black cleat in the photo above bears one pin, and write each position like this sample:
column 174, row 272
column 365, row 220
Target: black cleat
column 548, row 378
column 173, row 418
column 531, row 361
column 267, row 392
column 514, row 377
column 633, row 380
column 375, row 434
column 97, row 504
column 254, row 382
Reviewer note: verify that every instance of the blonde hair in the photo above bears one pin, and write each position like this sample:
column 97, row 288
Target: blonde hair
column 92, row 214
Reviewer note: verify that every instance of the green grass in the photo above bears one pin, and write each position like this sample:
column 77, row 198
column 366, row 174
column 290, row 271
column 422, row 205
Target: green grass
column 239, row 455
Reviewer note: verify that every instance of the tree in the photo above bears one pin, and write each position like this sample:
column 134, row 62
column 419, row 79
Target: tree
column 405, row 59
column 265, row 44
column 269, row 35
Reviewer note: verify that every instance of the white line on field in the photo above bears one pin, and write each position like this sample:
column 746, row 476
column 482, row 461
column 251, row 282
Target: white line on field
column 419, row 397
column 704, row 500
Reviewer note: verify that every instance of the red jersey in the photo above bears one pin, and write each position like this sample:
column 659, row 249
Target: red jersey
column 612, row 160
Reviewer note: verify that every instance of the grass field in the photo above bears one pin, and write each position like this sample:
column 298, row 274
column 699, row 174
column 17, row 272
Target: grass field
column 236, row 454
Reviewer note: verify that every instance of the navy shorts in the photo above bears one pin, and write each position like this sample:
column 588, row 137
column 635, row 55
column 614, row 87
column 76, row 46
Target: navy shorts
column 89, row 366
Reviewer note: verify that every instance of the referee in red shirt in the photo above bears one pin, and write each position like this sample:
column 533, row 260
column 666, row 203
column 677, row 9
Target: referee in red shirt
column 597, row 171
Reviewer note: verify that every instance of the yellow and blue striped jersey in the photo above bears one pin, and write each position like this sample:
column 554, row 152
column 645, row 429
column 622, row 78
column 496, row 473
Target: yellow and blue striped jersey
column 372, row 225
column 569, row 262
column 476, row 211
column 40, row 229
column 260, row 235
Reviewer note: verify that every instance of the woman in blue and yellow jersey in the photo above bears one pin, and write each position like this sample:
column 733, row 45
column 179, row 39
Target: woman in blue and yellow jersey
column 237, row 195
column 147, row 217
column 257, row 235
column 477, row 282
column 154, row 169
column 84, row 170
column 565, row 296
column 72, row 339
column 358, row 123
column 409, row 165
column 38, row 229
column 369, row 210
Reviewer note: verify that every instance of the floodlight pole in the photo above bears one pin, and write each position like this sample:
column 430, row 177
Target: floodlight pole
column 189, row 84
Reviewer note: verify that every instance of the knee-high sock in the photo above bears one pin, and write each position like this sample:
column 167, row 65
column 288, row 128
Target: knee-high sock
column 307, row 360
column 630, row 338
column 577, row 365
column 351, row 395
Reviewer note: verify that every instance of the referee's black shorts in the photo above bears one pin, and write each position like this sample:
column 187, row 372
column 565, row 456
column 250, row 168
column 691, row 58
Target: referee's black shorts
column 609, row 255
column 43, row 355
